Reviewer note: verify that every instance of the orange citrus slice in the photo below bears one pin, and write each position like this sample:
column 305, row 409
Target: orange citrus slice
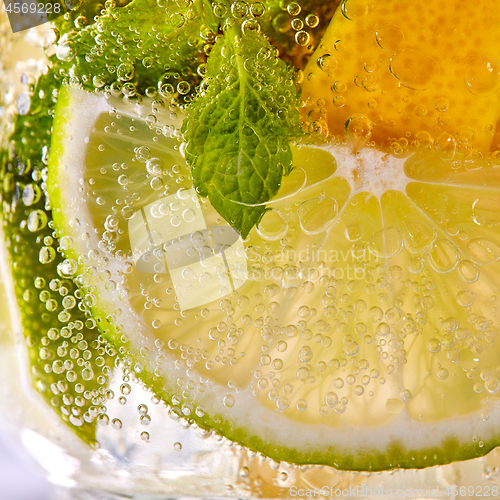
column 418, row 73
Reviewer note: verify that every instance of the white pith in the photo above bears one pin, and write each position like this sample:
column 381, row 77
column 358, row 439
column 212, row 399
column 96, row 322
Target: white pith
column 271, row 426
column 369, row 170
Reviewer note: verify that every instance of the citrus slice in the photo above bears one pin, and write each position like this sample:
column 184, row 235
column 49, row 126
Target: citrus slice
column 418, row 74
column 355, row 327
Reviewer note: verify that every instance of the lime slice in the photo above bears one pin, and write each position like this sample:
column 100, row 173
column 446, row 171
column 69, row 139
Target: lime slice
column 59, row 346
column 355, row 327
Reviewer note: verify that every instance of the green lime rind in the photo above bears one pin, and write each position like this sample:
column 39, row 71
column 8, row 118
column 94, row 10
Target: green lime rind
column 58, row 351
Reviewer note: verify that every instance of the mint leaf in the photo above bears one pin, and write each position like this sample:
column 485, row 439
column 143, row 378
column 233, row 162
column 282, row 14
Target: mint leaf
column 130, row 50
column 238, row 128
column 84, row 14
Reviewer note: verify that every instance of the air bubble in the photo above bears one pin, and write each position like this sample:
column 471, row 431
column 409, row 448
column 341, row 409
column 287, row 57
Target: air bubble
column 301, row 404
column 331, row 399
column 116, row 423
column 441, row 104
column 386, row 243
column 125, row 389
column 354, row 232
column 145, row 420
column 142, row 154
column 31, row 194
column 183, row 87
column 297, row 24
column 125, row 72
column 351, row 349
column 419, row 237
column 282, row 403
column 415, row 265
column 229, row 401
column 468, row 271
column 273, row 226
column 358, row 390
column 444, row 257
column 123, row 180
column 415, row 70
column 46, row 255
column 303, row 373
column 481, row 75
column 339, row 101
column 293, row 8
column 465, row 298
column 305, row 354
column 352, row 9
column 312, row 20
column 390, row 37
column 434, row 345
column 339, row 408
column 37, row 220
column 220, row 10
column 66, row 243
column 257, row 9
column 302, row 38
column 406, row 395
column 67, row 268
column 492, row 385
column 318, row 214
column 483, row 251
column 327, row 63
column 358, row 129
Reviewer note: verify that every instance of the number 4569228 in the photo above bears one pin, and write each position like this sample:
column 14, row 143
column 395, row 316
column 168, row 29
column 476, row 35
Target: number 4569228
column 472, row 491
column 33, row 8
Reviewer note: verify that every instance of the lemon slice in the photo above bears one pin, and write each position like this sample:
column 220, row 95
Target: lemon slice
column 355, row 327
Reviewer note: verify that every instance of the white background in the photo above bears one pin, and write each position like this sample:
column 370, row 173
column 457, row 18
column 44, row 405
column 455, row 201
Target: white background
column 20, row 478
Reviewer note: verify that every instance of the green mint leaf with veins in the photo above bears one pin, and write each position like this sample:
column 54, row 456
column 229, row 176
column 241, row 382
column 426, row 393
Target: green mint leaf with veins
column 138, row 49
column 238, row 128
